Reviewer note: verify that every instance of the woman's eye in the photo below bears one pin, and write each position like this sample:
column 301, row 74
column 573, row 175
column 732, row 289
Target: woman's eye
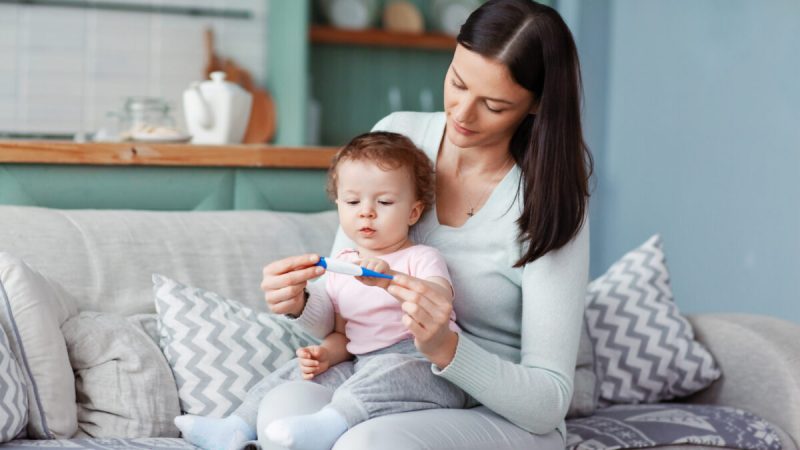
column 493, row 109
column 456, row 85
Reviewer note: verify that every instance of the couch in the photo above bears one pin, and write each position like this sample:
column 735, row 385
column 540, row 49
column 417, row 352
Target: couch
column 98, row 266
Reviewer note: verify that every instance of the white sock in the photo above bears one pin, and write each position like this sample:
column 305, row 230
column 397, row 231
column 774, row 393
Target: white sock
column 318, row 431
column 211, row 433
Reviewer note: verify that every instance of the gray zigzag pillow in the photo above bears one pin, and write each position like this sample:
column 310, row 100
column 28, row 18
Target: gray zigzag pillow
column 218, row 348
column 13, row 393
column 644, row 346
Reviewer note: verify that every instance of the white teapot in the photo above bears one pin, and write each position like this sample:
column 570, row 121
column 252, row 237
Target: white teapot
column 217, row 111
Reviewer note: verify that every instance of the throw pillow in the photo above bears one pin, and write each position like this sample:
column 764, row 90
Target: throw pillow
column 13, row 393
column 218, row 348
column 124, row 386
column 645, row 347
column 32, row 309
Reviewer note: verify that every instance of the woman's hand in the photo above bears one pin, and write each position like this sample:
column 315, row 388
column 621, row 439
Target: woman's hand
column 284, row 281
column 375, row 265
column 427, row 307
column 313, row 360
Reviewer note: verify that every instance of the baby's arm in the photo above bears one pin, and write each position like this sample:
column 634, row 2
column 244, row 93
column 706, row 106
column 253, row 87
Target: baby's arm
column 316, row 359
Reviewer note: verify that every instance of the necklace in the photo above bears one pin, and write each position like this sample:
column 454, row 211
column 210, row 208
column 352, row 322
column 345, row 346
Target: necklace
column 486, row 191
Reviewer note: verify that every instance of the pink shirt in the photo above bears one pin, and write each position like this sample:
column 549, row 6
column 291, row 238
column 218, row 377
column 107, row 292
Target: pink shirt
column 373, row 317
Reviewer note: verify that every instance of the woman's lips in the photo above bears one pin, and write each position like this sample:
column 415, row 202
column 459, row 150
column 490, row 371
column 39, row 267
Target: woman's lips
column 462, row 130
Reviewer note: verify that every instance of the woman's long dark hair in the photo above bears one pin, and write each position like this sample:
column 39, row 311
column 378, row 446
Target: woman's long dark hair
column 536, row 45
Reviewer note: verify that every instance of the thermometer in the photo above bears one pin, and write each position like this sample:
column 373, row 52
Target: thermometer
column 348, row 268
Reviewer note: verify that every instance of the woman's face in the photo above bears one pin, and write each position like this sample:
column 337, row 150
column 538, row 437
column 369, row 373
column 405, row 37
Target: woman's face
column 483, row 103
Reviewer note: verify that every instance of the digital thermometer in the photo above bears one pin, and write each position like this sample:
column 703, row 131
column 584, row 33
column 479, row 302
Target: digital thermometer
column 348, row 268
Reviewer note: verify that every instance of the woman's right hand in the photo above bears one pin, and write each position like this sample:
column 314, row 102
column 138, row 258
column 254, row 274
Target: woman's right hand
column 284, row 281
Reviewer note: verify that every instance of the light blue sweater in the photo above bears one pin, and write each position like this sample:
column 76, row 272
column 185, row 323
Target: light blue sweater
column 520, row 326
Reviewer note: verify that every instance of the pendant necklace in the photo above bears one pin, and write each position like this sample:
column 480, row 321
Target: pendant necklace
column 486, row 192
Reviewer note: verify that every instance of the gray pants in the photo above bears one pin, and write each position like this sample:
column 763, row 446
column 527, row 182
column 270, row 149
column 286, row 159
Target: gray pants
column 387, row 381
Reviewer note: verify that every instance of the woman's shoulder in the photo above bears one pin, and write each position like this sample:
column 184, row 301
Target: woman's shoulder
column 404, row 121
column 423, row 128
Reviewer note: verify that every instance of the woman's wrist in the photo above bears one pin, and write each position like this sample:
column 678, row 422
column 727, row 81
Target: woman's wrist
column 302, row 307
column 446, row 352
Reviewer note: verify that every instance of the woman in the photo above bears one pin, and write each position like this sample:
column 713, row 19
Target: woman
column 510, row 218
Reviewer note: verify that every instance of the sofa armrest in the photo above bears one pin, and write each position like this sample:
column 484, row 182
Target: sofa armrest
column 760, row 361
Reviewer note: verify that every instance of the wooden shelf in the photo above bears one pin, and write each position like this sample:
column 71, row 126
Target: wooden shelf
column 149, row 154
column 379, row 38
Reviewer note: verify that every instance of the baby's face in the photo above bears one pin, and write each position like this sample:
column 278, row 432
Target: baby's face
column 376, row 206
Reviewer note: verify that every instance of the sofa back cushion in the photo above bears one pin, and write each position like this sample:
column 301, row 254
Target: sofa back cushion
column 105, row 258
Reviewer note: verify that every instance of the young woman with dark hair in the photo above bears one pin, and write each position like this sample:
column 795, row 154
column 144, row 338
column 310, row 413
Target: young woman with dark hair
column 510, row 218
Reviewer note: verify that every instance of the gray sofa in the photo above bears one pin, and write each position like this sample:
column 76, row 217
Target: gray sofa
column 104, row 261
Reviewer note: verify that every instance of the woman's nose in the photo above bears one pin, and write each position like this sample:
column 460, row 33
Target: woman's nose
column 463, row 111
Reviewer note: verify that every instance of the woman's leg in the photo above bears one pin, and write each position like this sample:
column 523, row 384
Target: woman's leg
column 445, row 429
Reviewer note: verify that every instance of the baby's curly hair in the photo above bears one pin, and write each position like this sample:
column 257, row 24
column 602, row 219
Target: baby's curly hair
column 389, row 151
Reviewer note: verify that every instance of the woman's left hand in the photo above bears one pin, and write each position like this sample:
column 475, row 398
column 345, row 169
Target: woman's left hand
column 427, row 307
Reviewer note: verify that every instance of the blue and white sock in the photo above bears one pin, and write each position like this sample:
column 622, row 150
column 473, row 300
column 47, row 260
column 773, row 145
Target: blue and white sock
column 318, row 431
column 211, row 433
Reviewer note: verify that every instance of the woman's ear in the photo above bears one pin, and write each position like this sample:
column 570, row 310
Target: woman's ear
column 416, row 212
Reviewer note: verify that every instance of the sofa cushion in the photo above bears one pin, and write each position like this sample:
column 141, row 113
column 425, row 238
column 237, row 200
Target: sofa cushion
column 13, row 393
column 32, row 309
column 218, row 348
column 105, row 258
column 586, row 385
column 103, row 444
column 645, row 347
column 124, row 386
column 637, row 426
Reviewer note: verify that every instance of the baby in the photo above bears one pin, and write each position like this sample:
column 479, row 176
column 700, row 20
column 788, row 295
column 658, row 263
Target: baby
column 381, row 183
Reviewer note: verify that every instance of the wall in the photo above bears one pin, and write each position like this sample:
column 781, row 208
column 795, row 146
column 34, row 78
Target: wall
column 63, row 69
column 694, row 120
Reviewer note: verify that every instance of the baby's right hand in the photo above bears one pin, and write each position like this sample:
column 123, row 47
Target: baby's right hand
column 313, row 360
column 375, row 265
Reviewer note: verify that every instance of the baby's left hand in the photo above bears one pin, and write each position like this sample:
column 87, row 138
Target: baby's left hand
column 376, row 265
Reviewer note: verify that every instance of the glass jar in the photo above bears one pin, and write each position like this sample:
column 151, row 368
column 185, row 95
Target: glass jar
column 146, row 112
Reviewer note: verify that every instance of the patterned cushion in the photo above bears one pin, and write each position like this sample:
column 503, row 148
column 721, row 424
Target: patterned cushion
column 103, row 444
column 218, row 348
column 13, row 393
column 645, row 348
column 637, row 426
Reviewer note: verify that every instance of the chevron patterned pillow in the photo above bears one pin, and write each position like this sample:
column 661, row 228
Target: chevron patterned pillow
column 14, row 399
column 644, row 346
column 218, row 348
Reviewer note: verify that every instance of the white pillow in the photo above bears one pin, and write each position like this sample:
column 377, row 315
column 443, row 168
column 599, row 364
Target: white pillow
column 32, row 309
column 13, row 393
column 218, row 348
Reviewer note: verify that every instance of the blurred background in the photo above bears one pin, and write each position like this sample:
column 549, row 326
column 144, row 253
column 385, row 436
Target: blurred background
column 692, row 107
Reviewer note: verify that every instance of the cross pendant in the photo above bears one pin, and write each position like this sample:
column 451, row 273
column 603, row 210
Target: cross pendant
column 471, row 212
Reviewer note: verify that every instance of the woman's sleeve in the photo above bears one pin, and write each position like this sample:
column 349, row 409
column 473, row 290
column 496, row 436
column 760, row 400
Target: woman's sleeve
column 534, row 394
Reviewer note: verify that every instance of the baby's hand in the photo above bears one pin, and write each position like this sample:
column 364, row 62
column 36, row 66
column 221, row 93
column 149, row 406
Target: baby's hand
column 313, row 360
column 376, row 265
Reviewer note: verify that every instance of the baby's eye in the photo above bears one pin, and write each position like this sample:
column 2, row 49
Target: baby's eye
column 386, row 202
column 352, row 202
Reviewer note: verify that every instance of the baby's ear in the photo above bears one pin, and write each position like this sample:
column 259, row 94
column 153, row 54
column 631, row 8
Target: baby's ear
column 416, row 212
